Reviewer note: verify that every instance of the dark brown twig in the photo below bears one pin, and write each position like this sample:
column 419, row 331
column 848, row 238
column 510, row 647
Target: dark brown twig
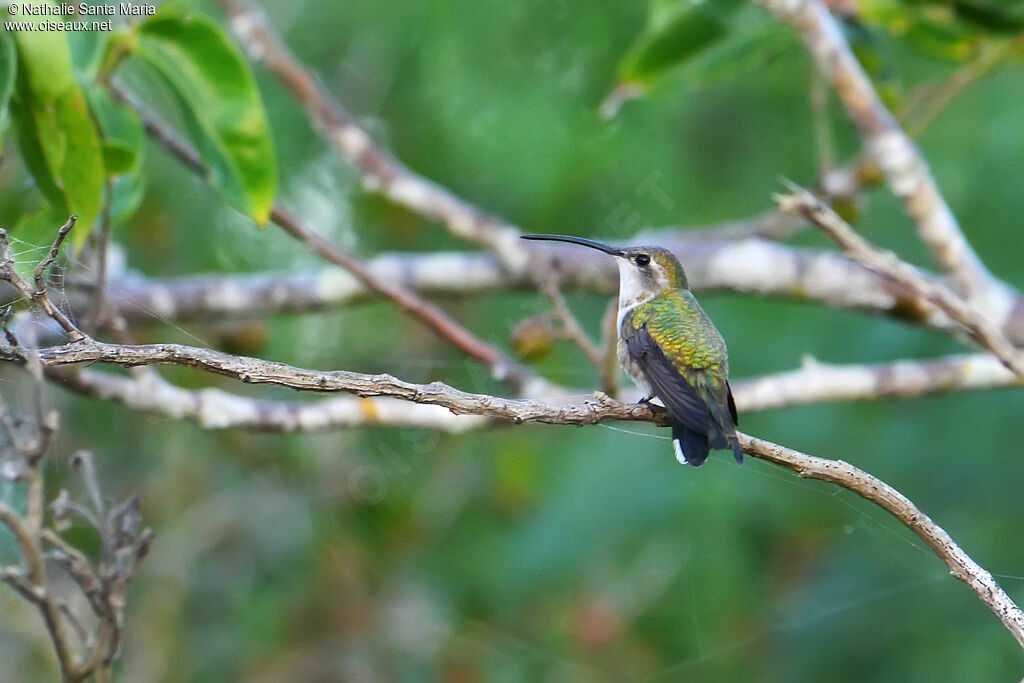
column 381, row 171
column 38, row 293
column 502, row 367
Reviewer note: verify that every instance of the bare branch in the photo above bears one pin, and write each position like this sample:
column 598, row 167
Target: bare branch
column 518, row 411
column 817, row 382
column 749, row 266
column 218, row 409
column 51, row 256
column 814, row 382
column 124, row 546
column 906, row 170
column 257, row 371
column 976, row 326
column 899, row 506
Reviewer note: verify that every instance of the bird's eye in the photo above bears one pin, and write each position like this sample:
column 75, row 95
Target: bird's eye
column 642, row 259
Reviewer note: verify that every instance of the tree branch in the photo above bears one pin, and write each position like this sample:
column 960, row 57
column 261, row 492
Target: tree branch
column 381, row 171
column 817, row 382
column 973, row 323
column 748, row 266
column 814, row 382
column 522, row 410
column 899, row 506
column 218, row 409
column 38, row 293
column 906, row 170
column 502, row 367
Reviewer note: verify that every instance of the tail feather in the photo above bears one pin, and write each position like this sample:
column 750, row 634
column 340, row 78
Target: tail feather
column 691, row 447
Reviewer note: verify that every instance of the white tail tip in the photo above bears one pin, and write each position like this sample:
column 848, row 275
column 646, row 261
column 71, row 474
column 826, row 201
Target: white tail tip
column 678, row 448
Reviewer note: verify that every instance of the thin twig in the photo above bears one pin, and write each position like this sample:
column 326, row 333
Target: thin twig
column 502, row 367
column 571, row 326
column 101, row 247
column 899, row 506
column 931, row 100
column 381, row 171
column 38, row 293
column 610, row 371
column 51, row 255
column 824, row 143
column 803, row 203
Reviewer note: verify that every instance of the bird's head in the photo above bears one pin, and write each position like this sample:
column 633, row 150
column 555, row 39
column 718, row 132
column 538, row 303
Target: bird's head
column 643, row 271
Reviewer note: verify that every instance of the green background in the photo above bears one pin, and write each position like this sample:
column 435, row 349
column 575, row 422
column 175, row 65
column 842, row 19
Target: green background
column 541, row 552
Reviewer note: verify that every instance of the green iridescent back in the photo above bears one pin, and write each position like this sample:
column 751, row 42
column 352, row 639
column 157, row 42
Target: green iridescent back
column 684, row 332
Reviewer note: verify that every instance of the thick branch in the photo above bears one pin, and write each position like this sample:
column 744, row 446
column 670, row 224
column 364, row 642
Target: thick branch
column 518, row 411
column 218, row 409
column 814, row 382
column 906, row 170
column 749, row 266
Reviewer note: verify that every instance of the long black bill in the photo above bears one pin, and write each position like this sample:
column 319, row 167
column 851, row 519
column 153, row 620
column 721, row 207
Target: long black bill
column 614, row 251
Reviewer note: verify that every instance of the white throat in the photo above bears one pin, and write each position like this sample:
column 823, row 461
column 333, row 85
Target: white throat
column 633, row 289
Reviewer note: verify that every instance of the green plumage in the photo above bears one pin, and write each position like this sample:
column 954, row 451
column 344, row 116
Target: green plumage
column 673, row 347
column 685, row 334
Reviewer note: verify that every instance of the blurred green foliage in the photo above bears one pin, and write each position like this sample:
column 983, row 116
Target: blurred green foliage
column 541, row 552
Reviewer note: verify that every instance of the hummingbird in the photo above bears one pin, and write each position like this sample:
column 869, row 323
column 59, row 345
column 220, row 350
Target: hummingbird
column 671, row 349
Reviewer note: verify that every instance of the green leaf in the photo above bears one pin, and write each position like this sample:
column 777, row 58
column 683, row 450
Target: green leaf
column 220, row 106
column 8, row 72
column 87, row 50
column 121, row 129
column 751, row 42
column 32, row 153
column 998, row 17
column 56, row 134
column 126, row 196
column 694, row 27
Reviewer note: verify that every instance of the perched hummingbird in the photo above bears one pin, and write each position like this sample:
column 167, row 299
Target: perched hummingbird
column 671, row 349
